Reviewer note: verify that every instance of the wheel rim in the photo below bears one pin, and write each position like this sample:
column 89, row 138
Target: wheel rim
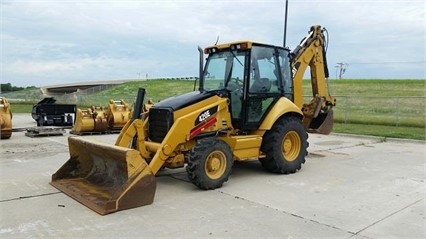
column 291, row 146
column 215, row 164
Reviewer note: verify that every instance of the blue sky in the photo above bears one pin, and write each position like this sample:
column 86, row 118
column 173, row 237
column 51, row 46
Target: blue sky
column 55, row 42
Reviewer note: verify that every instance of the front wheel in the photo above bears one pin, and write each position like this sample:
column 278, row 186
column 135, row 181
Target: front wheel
column 285, row 146
column 209, row 163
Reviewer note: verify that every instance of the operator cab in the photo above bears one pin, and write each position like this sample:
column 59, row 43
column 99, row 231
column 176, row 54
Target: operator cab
column 252, row 75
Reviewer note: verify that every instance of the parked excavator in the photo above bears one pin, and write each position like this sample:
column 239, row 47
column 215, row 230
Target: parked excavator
column 5, row 119
column 248, row 106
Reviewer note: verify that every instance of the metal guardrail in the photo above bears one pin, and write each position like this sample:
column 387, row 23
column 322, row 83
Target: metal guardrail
column 393, row 111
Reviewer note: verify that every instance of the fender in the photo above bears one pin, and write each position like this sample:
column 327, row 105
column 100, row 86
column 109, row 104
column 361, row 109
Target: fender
column 282, row 107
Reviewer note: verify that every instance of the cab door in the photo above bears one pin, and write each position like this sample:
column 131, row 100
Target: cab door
column 264, row 86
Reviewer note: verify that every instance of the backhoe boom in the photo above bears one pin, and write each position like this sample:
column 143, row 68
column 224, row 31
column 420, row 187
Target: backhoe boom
column 312, row 52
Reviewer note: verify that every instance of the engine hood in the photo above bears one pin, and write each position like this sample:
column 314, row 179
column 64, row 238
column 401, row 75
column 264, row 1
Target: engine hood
column 182, row 101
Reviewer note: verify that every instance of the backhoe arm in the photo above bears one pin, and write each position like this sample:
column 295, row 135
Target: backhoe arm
column 312, row 52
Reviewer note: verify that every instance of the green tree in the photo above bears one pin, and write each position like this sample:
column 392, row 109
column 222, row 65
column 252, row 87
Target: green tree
column 6, row 87
column 9, row 87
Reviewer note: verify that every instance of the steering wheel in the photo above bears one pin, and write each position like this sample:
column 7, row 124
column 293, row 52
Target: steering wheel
column 235, row 85
column 238, row 81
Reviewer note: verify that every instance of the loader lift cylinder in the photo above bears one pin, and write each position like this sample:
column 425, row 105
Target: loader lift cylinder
column 137, row 109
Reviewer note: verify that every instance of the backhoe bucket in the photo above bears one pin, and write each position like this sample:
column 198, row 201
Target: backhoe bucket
column 105, row 178
column 322, row 124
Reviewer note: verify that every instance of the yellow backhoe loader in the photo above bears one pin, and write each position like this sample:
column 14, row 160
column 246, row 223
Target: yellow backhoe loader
column 248, row 106
column 5, row 119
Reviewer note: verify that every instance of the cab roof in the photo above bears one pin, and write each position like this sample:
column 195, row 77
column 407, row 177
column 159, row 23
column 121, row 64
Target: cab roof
column 234, row 45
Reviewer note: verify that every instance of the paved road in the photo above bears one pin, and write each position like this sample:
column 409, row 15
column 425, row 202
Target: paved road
column 350, row 187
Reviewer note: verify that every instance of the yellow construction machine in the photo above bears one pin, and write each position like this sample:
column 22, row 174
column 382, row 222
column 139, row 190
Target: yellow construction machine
column 100, row 119
column 93, row 119
column 5, row 118
column 248, row 106
column 118, row 114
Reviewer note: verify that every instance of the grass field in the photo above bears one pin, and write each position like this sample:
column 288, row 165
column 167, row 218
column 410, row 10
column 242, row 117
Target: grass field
column 382, row 88
column 386, row 108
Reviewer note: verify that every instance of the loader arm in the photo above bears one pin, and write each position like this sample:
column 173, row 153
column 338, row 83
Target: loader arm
column 312, row 52
column 182, row 130
column 133, row 135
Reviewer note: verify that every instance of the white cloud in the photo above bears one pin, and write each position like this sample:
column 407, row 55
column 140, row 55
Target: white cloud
column 44, row 67
column 72, row 40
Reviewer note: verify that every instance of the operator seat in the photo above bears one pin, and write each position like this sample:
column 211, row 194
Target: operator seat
column 260, row 85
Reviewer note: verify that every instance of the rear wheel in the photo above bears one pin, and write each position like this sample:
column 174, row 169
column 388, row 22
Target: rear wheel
column 285, row 146
column 209, row 163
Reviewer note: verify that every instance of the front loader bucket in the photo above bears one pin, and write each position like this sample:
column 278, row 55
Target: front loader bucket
column 322, row 124
column 105, row 178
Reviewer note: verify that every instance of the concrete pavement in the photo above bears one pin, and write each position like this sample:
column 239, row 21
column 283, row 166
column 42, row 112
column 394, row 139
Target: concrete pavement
column 350, row 187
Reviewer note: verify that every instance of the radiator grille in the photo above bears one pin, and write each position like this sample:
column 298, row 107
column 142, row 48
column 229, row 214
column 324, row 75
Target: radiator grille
column 160, row 122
